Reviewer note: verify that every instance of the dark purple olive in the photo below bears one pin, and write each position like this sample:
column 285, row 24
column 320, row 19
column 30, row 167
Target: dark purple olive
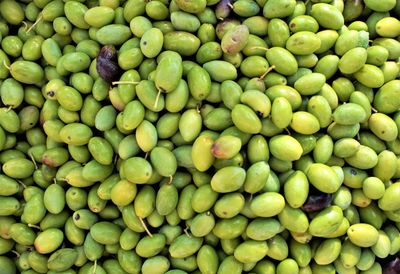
column 108, row 52
column 316, row 202
column 107, row 64
column 393, row 267
column 108, row 70
column 223, row 9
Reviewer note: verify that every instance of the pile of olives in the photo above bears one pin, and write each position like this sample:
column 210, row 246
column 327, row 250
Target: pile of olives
column 200, row 136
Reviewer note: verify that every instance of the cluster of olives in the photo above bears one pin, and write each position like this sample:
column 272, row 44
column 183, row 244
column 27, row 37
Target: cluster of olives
column 200, row 136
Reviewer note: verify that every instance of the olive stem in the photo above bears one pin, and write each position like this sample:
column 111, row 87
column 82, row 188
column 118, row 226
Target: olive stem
column 186, row 232
column 94, row 267
column 374, row 109
column 16, row 253
column 34, row 226
column 25, row 25
column 124, row 83
column 287, row 130
column 257, row 47
column 5, row 64
column 20, row 182
column 230, row 5
column 170, row 179
column 157, row 98
column 265, row 73
column 145, row 227
column 34, row 24
column 115, row 159
column 33, row 160
column 198, row 106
